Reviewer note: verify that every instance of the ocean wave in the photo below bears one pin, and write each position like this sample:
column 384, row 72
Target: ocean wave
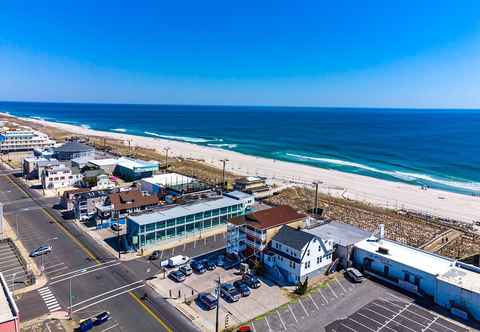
column 85, row 126
column 223, row 145
column 120, row 130
column 180, row 138
column 405, row 176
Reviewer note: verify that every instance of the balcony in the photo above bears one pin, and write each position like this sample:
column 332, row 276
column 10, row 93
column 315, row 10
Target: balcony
column 255, row 245
column 257, row 235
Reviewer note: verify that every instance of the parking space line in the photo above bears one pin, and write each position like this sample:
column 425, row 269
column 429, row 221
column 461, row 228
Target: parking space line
column 268, row 324
column 281, row 320
column 395, row 316
column 20, row 267
column 291, row 311
column 306, row 312
column 173, row 250
column 311, row 298
column 184, row 246
column 323, row 296
column 331, row 289
column 348, row 327
column 205, row 241
column 390, row 302
column 111, row 327
column 161, row 253
column 11, row 267
column 397, row 297
column 2, row 261
column 358, row 323
column 338, row 282
column 194, row 244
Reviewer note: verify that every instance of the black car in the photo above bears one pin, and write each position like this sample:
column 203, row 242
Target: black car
column 230, row 293
column 207, row 300
column 251, row 280
column 354, row 275
column 198, row 267
column 101, row 318
column 242, row 287
column 155, row 255
column 177, row 276
column 210, row 265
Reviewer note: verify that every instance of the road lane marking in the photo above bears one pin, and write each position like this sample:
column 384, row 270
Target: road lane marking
column 111, row 327
column 149, row 311
column 56, row 270
column 111, row 291
column 47, row 267
column 83, row 271
column 106, row 299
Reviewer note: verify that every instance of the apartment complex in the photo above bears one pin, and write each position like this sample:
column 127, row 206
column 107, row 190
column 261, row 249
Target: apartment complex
column 250, row 234
column 176, row 221
column 60, row 176
column 24, row 139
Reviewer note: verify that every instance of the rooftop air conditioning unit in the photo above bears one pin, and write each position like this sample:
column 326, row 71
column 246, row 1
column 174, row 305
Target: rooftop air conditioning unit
column 383, row 250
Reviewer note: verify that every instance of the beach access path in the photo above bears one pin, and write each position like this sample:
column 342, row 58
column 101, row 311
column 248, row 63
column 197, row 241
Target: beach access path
column 378, row 192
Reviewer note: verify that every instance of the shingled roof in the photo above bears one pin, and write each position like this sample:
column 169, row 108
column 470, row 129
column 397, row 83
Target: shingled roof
column 268, row 218
column 131, row 199
column 294, row 238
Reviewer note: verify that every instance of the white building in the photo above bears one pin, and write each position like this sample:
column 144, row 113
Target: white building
column 155, row 183
column 23, row 139
column 60, row 177
column 294, row 255
column 451, row 284
column 247, row 199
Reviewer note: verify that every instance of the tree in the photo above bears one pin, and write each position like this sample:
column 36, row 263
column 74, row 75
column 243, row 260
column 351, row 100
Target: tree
column 302, row 287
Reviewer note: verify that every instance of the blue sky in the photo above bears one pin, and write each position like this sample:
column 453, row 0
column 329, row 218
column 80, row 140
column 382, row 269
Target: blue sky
column 320, row 53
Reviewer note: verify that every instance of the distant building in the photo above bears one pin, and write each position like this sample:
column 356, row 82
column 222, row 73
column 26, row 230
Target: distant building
column 85, row 203
column 294, row 255
column 108, row 165
column 121, row 204
column 449, row 283
column 156, row 183
column 80, row 162
column 33, row 167
column 24, row 139
column 74, row 150
column 344, row 237
column 103, row 182
column 9, row 314
column 57, row 177
column 177, row 221
column 90, row 177
column 251, row 185
column 135, row 169
column 247, row 199
column 67, row 201
column 250, row 234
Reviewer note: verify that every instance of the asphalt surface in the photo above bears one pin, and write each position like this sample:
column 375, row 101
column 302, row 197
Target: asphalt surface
column 98, row 281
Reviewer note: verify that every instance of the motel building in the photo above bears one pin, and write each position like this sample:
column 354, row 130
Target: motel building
column 451, row 284
column 178, row 221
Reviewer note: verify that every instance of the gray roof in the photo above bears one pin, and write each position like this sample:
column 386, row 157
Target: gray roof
column 74, row 147
column 340, row 233
column 238, row 194
column 183, row 210
column 294, row 238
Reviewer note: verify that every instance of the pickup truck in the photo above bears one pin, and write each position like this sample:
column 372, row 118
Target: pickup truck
column 178, row 260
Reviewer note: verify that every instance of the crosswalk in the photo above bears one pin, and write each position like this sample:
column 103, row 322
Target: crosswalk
column 49, row 299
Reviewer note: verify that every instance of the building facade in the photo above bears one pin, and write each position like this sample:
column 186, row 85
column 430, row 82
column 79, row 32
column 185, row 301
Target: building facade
column 33, row 167
column 247, row 199
column 135, row 169
column 24, row 139
column 9, row 314
column 57, row 177
column 293, row 255
column 251, row 185
column 250, row 234
column 74, row 150
column 85, row 203
column 177, row 221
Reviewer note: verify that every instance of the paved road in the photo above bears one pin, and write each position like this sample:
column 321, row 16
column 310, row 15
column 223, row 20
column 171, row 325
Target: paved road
column 98, row 281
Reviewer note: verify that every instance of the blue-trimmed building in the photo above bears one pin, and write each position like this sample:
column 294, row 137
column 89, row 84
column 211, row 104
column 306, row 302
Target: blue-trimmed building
column 135, row 169
column 177, row 221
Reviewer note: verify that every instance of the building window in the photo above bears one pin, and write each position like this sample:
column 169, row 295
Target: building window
column 319, row 260
column 180, row 220
column 307, row 264
column 170, row 222
column 308, row 252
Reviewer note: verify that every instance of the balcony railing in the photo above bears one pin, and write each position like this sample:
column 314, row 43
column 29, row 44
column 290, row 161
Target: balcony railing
column 257, row 235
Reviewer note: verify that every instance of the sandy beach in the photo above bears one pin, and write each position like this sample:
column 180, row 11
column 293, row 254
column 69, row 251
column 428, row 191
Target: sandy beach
column 357, row 187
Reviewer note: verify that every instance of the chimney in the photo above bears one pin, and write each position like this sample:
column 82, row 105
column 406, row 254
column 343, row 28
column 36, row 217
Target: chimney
column 382, row 231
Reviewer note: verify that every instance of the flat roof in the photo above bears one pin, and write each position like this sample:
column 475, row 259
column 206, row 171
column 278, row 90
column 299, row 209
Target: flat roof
column 340, row 233
column 169, row 179
column 463, row 278
column 74, row 147
column 8, row 308
column 409, row 256
column 136, row 163
column 183, row 210
column 104, row 162
column 238, row 194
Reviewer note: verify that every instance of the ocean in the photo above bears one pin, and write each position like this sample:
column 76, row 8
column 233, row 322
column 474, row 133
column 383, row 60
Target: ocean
column 435, row 148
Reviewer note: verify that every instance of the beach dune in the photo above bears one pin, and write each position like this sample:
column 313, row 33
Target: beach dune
column 378, row 192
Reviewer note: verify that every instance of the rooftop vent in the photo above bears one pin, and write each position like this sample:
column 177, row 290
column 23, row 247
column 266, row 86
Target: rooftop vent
column 383, row 250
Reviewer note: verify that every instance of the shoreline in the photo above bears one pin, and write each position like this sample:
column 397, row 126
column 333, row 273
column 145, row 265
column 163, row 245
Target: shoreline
column 378, row 192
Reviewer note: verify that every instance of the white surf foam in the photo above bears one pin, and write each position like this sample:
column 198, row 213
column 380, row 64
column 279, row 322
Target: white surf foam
column 179, row 138
column 120, row 130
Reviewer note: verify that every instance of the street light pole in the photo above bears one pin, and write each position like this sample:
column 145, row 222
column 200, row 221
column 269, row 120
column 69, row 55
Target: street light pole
column 166, row 157
column 224, row 161
column 218, row 305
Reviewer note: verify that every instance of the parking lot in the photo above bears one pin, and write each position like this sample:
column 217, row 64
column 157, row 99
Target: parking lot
column 340, row 306
column 11, row 266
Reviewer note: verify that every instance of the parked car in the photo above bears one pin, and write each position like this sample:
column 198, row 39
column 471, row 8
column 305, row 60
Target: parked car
column 198, row 267
column 178, row 260
column 229, row 292
column 186, row 270
column 210, row 265
column 251, row 280
column 354, row 275
column 85, row 325
column 41, row 251
column 208, row 300
column 101, row 318
column 220, row 260
column 155, row 255
column 177, row 276
column 242, row 287
column 116, row 227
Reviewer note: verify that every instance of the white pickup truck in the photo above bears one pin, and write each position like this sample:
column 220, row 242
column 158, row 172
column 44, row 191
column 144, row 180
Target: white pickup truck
column 178, row 260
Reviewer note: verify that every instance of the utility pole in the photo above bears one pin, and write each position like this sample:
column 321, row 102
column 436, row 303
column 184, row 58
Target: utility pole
column 315, row 209
column 224, row 161
column 166, row 157
column 218, row 305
